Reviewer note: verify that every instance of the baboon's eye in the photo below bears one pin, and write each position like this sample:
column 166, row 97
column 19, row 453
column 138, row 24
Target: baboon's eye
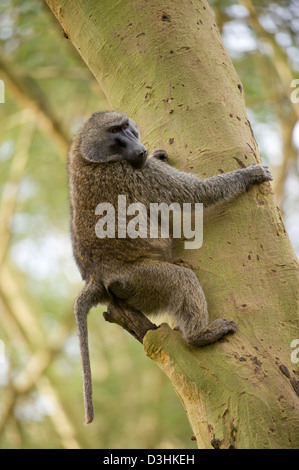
column 125, row 126
column 114, row 130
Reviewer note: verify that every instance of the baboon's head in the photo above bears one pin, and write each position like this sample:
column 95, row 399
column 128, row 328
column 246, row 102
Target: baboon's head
column 110, row 137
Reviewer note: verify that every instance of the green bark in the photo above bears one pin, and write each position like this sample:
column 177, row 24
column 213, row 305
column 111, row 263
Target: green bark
column 164, row 64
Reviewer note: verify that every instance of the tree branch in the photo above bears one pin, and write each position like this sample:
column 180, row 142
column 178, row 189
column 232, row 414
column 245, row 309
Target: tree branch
column 26, row 91
column 131, row 320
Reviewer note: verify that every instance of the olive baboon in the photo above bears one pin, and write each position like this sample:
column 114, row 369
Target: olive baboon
column 107, row 159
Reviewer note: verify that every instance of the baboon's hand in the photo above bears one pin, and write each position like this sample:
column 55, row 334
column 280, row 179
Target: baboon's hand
column 159, row 155
column 259, row 173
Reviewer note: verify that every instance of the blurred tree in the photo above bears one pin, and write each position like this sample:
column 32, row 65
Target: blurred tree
column 167, row 67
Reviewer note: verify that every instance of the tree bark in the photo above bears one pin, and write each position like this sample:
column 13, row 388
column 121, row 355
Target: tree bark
column 164, row 64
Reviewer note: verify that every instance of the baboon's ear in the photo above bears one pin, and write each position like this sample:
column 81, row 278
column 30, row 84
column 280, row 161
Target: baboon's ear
column 94, row 153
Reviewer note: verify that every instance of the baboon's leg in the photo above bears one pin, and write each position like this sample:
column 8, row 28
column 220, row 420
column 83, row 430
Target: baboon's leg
column 154, row 286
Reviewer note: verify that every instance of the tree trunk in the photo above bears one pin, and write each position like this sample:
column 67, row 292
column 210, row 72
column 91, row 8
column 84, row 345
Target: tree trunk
column 164, row 64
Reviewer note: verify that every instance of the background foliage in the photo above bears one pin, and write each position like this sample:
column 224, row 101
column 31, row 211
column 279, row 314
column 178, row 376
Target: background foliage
column 49, row 92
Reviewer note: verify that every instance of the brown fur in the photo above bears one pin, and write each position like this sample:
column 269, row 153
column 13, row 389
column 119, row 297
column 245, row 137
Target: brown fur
column 142, row 271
